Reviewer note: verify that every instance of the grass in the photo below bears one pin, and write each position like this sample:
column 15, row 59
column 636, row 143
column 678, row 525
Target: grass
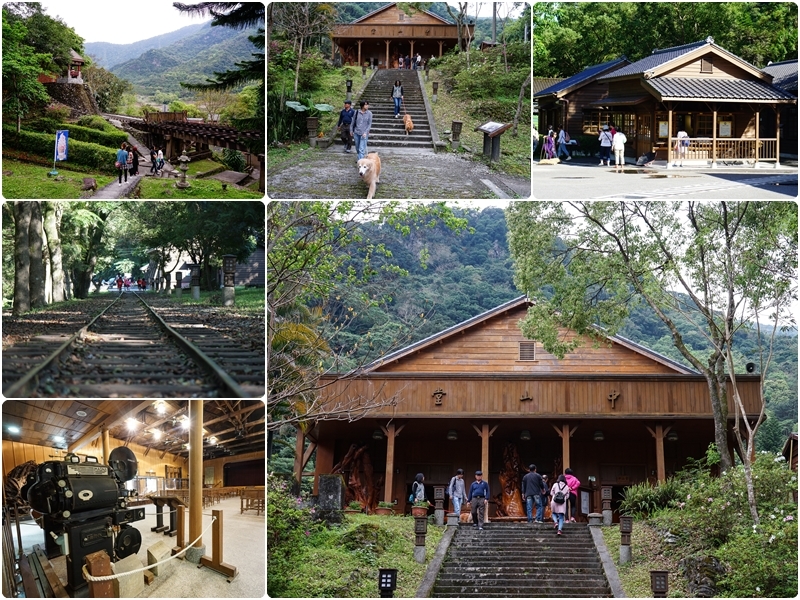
column 150, row 187
column 28, row 180
column 248, row 300
column 328, row 569
column 202, row 166
column 515, row 152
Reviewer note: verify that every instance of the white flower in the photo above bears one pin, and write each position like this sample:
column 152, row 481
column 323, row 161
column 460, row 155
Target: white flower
column 771, row 539
column 758, row 589
column 780, row 458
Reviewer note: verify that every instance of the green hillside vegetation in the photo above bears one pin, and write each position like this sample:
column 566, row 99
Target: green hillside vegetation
column 109, row 55
column 470, row 273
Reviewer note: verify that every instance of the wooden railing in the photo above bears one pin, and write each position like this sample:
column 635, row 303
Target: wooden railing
column 725, row 150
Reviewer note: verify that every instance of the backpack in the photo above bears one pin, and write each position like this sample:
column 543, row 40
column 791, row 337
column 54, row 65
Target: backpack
column 413, row 492
column 566, row 136
column 559, row 498
column 685, row 143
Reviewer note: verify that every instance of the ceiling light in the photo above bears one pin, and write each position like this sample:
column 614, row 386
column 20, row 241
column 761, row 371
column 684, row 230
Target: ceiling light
column 81, row 413
column 452, row 435
column 58, row 439
column 13, row 429
column 212, row 440
column 525, row 435
column 161, row 407
column 598, row 436
column 156, row 434
column 132, row 423
column 185, row 423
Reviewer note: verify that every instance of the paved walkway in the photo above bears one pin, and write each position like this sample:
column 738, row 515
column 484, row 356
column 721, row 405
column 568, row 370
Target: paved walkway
column 405, row 174
column 114, row 190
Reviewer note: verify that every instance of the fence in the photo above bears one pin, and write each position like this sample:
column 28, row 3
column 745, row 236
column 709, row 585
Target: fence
column 725, row 150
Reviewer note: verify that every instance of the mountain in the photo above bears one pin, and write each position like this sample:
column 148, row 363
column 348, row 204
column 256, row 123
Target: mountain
column 109, row 55
column 191, row 59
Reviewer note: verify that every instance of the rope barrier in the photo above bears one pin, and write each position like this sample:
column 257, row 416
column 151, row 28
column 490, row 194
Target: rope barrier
column 88, row 577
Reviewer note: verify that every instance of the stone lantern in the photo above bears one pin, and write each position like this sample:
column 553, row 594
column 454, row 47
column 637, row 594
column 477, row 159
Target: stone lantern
column 349, row 84
column 178, row 283
column 457, row 125
column 229, row 269
column 195, row 281
column 435, row 90
column 183, row 167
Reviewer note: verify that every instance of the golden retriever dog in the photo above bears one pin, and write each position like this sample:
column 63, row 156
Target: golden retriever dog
column 369, row 168
column 408, row 123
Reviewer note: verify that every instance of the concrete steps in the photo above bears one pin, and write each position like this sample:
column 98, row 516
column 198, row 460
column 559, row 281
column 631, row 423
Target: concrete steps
column 515, row 560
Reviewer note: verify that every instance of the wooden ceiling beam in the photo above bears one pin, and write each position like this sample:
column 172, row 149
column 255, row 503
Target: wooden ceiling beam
column 96, row 430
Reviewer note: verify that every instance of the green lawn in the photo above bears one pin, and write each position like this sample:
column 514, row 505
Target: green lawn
column 248, row 300
column 29, row 180
column 200, row 188
column 202, row 166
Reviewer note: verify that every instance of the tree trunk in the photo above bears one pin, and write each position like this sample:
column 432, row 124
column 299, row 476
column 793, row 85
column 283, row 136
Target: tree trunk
column 54, row 245
column 519, row 103
column 297, row 68
column 84, row 277
column 37, row 275
column 719, row 408
column 22, row 258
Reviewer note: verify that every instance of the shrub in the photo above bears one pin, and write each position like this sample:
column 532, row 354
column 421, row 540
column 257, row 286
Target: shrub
column 111, row 139
column 233, row 160
column 96, row 122
column 57, row 113
column 82, row 153
column 645, row 499
column 312, row 67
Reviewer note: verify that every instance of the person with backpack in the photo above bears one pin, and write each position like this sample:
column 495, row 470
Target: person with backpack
column 418, row 490
column 122, row 163
column 573, row 484
column 618, row 144
column 681, row 145
column 532, row 488
column 563, row 138
column 605, row 138
column 558, row 505
column 457, row 491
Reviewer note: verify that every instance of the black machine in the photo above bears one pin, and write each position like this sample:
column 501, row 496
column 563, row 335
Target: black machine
column 86, row 504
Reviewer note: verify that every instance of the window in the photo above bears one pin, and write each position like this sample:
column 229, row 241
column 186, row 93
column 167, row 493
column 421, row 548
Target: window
column 527, row 350
column 704, row 125
column 706, row 64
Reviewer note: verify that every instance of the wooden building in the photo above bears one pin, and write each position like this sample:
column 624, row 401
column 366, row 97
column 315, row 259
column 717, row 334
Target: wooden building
column 784, row 77
column 382, row 36
column 478, row 393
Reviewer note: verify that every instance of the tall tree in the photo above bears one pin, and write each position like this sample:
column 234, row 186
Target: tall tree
column 51, row 225
column 37, row 270
column 587, row 264
column 22, row 258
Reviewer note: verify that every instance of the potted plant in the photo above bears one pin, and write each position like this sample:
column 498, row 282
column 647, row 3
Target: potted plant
column 384, row 508
column 312, row 120
column 419, row 508
column 353, row 507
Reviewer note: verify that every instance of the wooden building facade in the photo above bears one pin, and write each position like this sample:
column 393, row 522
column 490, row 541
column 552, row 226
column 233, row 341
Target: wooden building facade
column 382, row 36
column 475, row 394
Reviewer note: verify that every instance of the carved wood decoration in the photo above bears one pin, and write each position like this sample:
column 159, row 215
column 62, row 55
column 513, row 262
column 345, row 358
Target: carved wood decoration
column 612, row 397
column 16, row 478
column 510, row 502
column 355, row 464
column 438, row 395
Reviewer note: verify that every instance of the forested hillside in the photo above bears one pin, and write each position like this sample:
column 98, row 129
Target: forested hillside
column 468, row 273
column 108, row 55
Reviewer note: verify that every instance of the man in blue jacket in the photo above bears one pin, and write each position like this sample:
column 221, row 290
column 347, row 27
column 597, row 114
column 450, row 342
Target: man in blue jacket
column 478, row 493
column 346, row 118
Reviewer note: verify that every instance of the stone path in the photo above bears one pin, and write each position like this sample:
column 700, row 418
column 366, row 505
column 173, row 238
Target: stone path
column 114, row 191
column 405, row 174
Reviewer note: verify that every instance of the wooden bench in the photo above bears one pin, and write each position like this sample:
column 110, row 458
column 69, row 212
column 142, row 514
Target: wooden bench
column 39, row 579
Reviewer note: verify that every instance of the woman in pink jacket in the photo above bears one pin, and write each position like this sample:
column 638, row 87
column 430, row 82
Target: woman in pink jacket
column 559, row 509
column 573, row 484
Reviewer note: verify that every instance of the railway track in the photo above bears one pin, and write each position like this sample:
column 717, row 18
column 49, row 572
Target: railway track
column 127, row 350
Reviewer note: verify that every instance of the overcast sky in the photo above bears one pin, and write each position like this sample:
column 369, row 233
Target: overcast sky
column 120, row 23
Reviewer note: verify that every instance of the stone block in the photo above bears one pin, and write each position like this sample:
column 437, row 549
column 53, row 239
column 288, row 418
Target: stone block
column 132, row 585
column 156, row 553
column 608, row 518
column 624, row 554
column 419, row 554
column 595, row 519
column 194, row 553
column 331, row 492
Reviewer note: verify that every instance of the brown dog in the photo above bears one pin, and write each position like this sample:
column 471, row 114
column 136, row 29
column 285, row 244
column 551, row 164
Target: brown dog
column 369, row 168
column 408, row 123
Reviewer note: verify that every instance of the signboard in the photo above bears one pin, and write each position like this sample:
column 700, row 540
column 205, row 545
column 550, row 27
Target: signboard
column 663, row 129
column 725, row 128
column 62, row 144
column 493, row 128
column 584, row 502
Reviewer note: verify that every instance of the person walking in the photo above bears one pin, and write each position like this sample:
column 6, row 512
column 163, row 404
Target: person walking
column 549, row 146
column 160, row 161
column 153, row 160
column 618, row 144
column 535, row 140
column 457, row 491
column 419, row 61
column 122, row 163
column 345, row 118
column 408, row 62
column 479, row 492
column 119, row 283
column 418, row 488
column 400, row 61
column 532, row 487
column 558, row 505
column 606, row 139
column 362, row 122
column 573, row 484
column 135, row 170
column 681, row 144
column 397, row 97
column 563, row 138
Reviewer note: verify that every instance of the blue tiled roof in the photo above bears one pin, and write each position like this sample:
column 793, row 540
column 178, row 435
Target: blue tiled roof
column 717, row 89
column 784, row 75
column 585, row 75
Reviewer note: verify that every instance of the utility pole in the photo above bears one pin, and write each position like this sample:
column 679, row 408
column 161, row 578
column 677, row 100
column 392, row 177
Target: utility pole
column 494, row 22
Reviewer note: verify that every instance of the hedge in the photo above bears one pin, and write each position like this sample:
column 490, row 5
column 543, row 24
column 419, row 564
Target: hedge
column 91, row 155
column 81, row 134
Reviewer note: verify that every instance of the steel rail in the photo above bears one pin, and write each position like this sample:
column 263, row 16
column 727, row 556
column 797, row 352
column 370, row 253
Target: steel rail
column 26, row 384
column 226, row 381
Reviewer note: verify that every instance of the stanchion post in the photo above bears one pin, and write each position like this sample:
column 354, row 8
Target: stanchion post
column 215, row 562
column 179, row 541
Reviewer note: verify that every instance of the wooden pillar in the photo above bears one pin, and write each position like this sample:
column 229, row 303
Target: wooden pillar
column 387, row 52
column 758, row 118
column 659, row 434
column 714, row 141
column 777, row 135
column 485, row 434
column 297, row 470
column 440, row 48
column 411, row 56
column 106, row 446
column 669, row 137
column 389, row 478
column 359, row 52
column 196, row 470
column 565, row 433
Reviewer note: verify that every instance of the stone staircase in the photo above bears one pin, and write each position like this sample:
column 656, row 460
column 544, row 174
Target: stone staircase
column 508, row 560
column 386, row 130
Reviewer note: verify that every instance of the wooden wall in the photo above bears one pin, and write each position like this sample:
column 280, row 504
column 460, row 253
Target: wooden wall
column 493, row 346
column 219, row 463
column 15, row 453
column 394, row 15
column 369, row 31
column 721, row 69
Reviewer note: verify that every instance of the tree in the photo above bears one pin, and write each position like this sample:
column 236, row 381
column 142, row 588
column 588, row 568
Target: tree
column 213, row 102
column 107, row 87
column 21, row 67
column 522, row 88
column 22, row 258
column 588, row 264
column 37, row 270
column 459, row 20
column 52, row 217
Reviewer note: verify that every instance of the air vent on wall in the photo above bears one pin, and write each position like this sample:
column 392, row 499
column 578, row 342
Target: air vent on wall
column 527, row 350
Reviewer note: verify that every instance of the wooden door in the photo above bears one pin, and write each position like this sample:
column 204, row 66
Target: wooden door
column 644, row 134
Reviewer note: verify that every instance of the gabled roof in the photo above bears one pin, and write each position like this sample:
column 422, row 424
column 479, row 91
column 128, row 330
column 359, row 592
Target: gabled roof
column 665, row 59
column 521, row 301
column 686, row 88
column 784, row 75
column 542, row 83
column 382, row 8
column 588, row 75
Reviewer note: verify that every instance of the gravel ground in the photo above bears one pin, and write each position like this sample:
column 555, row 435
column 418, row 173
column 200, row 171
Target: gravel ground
column 404, row 174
